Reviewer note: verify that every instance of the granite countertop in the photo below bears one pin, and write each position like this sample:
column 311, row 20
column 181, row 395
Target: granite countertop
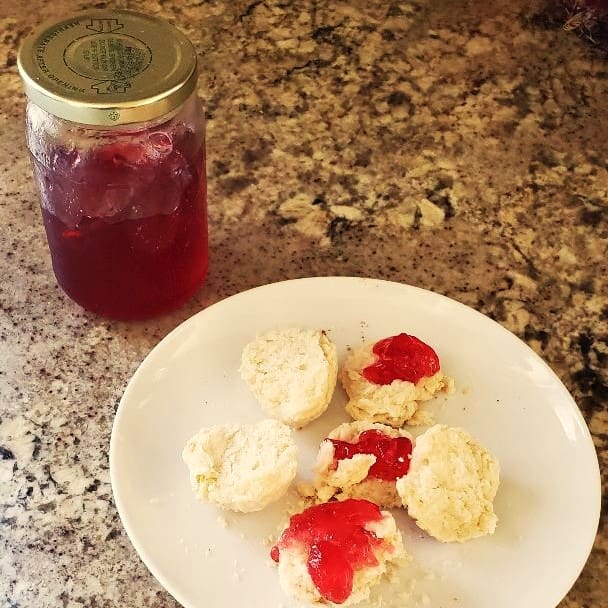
column 457, row 146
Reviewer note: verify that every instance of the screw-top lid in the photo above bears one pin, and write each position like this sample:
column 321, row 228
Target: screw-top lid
column 108, row 67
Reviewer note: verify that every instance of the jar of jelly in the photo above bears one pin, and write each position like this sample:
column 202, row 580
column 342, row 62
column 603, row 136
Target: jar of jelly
column 116, row 133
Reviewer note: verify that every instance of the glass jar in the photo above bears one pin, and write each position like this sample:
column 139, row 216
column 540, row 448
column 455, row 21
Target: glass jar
column 116, row 134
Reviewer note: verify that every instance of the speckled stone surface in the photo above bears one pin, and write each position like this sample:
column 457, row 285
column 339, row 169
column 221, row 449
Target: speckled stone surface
column 457, row 146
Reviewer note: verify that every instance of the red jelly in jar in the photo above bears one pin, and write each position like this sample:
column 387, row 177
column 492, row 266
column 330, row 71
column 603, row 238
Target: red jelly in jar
column 116, row 134
column 336, row 541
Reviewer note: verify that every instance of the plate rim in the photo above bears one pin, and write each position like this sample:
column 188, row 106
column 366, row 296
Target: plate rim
column 143, row 554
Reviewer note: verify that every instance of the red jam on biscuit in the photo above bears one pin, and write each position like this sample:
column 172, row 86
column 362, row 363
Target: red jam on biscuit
column 401, row 357
column 392, row 453
column 334, row 537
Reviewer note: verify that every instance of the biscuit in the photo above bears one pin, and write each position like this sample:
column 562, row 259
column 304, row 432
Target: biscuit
column 242, row 467
column 292, row 373
column 450, row 487
column 348, row 478
column 394, row 404
column 296, row 580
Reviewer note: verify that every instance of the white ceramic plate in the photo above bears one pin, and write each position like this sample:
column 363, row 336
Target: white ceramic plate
column 549, row 498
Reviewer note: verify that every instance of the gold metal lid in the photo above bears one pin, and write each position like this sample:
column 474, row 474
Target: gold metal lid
column 108, row 67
